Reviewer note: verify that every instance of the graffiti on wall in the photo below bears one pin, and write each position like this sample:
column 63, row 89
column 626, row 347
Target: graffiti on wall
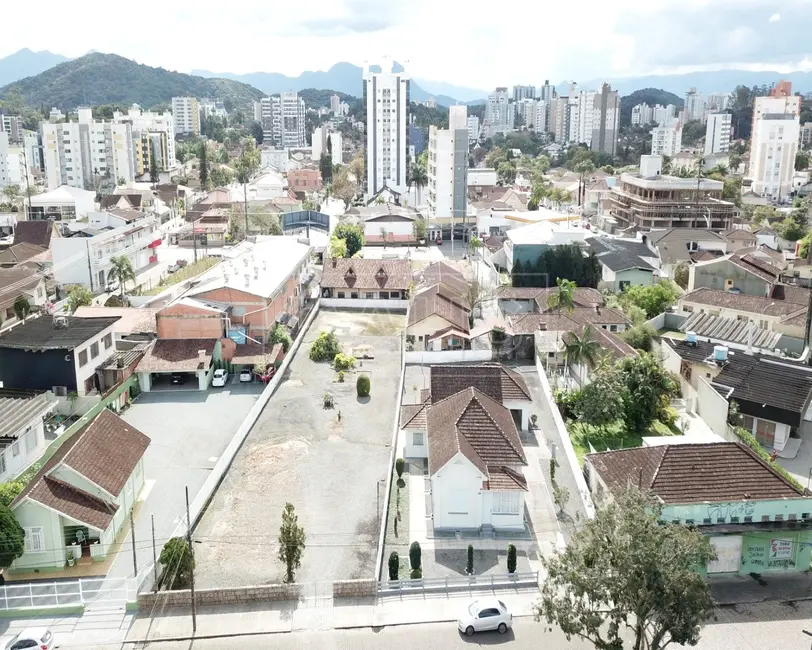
column 740, row 509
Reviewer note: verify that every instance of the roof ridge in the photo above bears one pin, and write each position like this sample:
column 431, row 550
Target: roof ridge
column 84, row 493
column 487, row 413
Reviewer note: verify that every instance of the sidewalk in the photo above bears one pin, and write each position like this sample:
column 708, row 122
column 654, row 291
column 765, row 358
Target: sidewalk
column 346, row 613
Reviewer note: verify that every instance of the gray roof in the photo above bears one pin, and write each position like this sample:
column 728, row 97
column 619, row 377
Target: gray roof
column 672, row 244
column 730, row 330
column 40, row 333
column 620, row 255
column 17, row 408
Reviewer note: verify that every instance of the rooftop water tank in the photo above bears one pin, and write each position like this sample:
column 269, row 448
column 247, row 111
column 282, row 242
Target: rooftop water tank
column 690, row 337
column 719, row 353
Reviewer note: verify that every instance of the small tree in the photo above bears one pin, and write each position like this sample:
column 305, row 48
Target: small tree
column 469, row 565
column 415, row 556
column 394, row 565
column 511, row 558
column 122, row 271
column 325, row 347
column 79, row 296
column 280, row 334
column 73, row 397
column 399, row 465
column 22, row 307
column 362, row 386
column 12, row 537
column 291, row 542
column 177, row 561
column 419, row 229
column 627, row 576
column 552, row 471
column 343, row 362
column 561, row 496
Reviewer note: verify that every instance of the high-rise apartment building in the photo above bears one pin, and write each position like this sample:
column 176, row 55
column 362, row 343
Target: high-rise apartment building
column 666, row 140
column 386, row 98
column 582, row 116
column 473, row 129
column 718, row 102
column 13, row 127
column 5, row 176
column 541, row 121
column 806, row 134
column 665, row 115
column 774, row 142
column 498, row 112
column 559, row 120
column 186, row 114
column 523, row 92
column 526, row 111
column 694, row 106
column 82, row 153
column 547, row 92
column 642, row 114
column 153, row 136
column 606, row 120
column 326, row 141
column 335, row 104
column 448, row 165
column 283, row 120
column 717, row 133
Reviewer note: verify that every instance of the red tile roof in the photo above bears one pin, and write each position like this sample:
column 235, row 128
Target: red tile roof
column 438, row 300
column 361, row 274
column 178, row 355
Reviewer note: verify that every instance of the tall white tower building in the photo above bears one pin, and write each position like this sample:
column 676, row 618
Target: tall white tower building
column 717, row 133
column 448, row 166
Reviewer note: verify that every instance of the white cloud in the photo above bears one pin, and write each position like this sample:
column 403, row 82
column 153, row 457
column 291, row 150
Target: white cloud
column 774, row 18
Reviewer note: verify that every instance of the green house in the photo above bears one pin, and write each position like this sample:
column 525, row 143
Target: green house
column 757, row 521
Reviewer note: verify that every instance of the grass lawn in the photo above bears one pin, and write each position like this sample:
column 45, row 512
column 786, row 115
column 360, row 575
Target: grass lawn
column 186, row 273
column 614, row 436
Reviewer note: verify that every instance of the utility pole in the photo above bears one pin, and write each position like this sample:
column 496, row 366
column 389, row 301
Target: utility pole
column 132, row 537
column 192, row 554
column 154, row 558
column 27, row 185
column 194, row 240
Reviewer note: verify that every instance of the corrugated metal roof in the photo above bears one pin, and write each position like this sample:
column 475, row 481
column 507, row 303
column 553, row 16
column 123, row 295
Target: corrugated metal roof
column 731, row 330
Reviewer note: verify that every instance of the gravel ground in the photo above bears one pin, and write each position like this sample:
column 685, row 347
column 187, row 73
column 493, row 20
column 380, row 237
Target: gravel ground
column 299, row 452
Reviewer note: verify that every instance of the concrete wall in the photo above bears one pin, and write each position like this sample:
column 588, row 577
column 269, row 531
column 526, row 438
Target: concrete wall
column 715, row 274
column 354, row 588
column 183, row 598
column 448, row 356
column 187, row 322
column 711, row 407
column 349, row 303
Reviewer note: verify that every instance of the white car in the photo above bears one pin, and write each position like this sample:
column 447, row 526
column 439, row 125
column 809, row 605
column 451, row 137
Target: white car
column 33, row 637
column 220, row 378
column 245, row 375
column 485, row 614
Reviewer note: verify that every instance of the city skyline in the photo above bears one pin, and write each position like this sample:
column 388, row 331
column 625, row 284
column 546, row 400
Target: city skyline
column 755, row 35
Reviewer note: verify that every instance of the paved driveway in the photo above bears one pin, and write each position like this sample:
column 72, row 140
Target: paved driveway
column 189, row 431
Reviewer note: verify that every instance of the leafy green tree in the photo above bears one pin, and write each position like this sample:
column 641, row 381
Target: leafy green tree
column 326, row 167
column 121, row 272
column 732, row 190
column 177, row 561
column 511, row 558
column 601, row 402
column 12, row 537
column 653, row 299
column 203, row 165
column 563, row 298
column 338, row 247
column 791, row 230
column 583, row 348
column 681, row 274
column 419, row 229
column 648, row 388
column 246, row 167
column 802, row 160
column 692, row 132
column 628, row 577
column 22, row 307
column 640, row 336
column 352, row 234
column 79, row 296
column 506, row 173
column 221, row 176
column 420, row 177
column 343, row 186
column 280, row 334
column 325, row 347
column 291, row 542
column 394, row 565
column 415, row 555
column 362, row 386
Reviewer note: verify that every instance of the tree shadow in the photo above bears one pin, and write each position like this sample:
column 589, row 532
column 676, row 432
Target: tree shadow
column 364, row 400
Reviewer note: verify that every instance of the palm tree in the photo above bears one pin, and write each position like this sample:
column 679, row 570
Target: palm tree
column 563, row 298
column 122, row 271
column 420, row 178
column 583, row 349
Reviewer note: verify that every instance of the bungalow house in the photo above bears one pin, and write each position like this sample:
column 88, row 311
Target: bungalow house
column 22, row 429
column 754, row 518
column 190, row 359
column 746, row 274
column 624, row 263
column 443, row 273
column 76, row 504
column 438, row 320
column 474, row 456
column 676, row 246
column 365, row 279
column 739, row 238
column 17, row 283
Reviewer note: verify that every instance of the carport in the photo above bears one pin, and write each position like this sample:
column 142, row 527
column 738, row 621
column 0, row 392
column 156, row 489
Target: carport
column 192, row 358
column 248, row 355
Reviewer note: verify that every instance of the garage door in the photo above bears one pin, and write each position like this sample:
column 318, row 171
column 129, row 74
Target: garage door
column 728, row 554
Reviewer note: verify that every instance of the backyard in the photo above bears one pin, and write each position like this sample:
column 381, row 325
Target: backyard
column 613, row 436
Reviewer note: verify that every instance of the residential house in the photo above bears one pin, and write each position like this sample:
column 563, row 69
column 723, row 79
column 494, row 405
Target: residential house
column 624, row 263
column 132, row 324
column 366, row 279
column 445, row 273
column 304, row 180
column 746, row 274
column 23, row 253
column 472, row 445
column 59, row 354
column 191, row 359
column 439, row 320
column 739, row 238
column 675, row 246
column 61, row 204
column 75, row 506
column 37, row 233
column 20, row 283
column 527, row 243
column 755, row 519
column 22, row 429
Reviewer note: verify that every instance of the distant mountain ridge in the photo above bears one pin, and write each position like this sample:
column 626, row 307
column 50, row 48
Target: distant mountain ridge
column 99, row 78
column 25, row 63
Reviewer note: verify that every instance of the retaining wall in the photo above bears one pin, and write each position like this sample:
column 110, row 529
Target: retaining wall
column 354, row 588
column 183, row 597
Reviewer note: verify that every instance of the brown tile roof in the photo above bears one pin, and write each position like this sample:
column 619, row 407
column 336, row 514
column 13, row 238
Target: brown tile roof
column 360, row 274
column 250, row 354
column 15, row 281
column 449, row 379
column 438, row 300
column 530, row 323
column 581, row 297
column 739, row 301
column 105, row 452
column 480, row 428
column 446, row 274
column 788, row 293
column 132, row 320
column 413, row 416
column 177, row 355
column 507, row 292
column 609, row 342
column 18, row 253
column 759, row 268
column 514, row 386
column 505, row 478
column 37, row 233
column 724, row 471
column 598, row 316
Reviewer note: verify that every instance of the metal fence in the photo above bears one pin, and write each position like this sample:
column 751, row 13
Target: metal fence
column 83, row 591
column 462, row 583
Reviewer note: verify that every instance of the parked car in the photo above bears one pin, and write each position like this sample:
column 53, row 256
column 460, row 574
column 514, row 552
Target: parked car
column 173, row 269
column 178, row 378
column 246, row 375
column 34, row 637
column 485, row 614
column 181, row 263
column 220, row 378
column 439, row 241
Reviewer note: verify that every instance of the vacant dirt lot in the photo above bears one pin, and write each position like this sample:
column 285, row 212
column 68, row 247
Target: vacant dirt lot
column 327, row 466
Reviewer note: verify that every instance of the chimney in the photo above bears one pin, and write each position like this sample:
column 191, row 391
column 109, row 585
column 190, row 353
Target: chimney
column 201, row 356
column 597, row 309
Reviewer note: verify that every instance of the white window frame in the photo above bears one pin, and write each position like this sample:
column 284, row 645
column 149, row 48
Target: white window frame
column 506, row 503
column 39, row 531
column 15, row 448
column 2, row 462
column 417, row 439
column 30, row 439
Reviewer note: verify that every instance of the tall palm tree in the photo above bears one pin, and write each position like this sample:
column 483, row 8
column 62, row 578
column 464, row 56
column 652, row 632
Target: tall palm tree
column 122, row 271
column 420, row 178
column 563, row 297
column 583, row 349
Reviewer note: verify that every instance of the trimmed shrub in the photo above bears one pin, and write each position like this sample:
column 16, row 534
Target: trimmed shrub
column 325, row 347
column 414, row 555
column 362, row 386
column 340, row 376
column 399, row 465
column 511, row 559
column 416, row 574
column 343, row 362
column 394, row 565
column 469, row 565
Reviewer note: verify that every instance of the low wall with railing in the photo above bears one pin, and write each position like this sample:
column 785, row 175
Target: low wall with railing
column 447, row 356
column 359, row 303
column 227, row 596
column 463, row 583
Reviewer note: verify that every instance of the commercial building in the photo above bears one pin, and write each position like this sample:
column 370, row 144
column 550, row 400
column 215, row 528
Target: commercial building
column 774, row 142
column 649, row 200
column 606, row 120
column 447, row 166
column 717, row 134
column 186, row 113
column 498, row 112
column 386, row 98
column 283, row 120
column 666, row 140
column 86, row 153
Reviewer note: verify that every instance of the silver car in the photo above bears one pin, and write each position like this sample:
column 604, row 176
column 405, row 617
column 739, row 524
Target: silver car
column 485, row 614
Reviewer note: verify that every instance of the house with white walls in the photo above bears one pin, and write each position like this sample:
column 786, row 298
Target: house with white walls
column 22, row 429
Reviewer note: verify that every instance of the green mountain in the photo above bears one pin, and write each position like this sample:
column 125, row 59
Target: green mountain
column 650, row 96
column 98, row 78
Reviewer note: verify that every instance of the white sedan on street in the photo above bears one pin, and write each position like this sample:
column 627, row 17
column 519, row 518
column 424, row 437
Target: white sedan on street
column 34, row 638
column 485, row 614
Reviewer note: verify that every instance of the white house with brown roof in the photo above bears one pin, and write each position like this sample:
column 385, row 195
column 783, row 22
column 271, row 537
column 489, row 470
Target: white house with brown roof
column 75, row 506
column 438, row 320
column 363, row 283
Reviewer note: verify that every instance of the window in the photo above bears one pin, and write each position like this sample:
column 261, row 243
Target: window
column 369, row 296
column 30, row 440
column 94, row 350
column 2, row 463
column 15, row 448
column 108, row 341
column 34, row 540
column 506, row 503
column 765, row 517
column 82, row 358
column 340, row 294
column 417, row 438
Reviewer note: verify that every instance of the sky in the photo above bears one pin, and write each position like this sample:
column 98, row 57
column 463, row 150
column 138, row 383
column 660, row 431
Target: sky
column 469, row 43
